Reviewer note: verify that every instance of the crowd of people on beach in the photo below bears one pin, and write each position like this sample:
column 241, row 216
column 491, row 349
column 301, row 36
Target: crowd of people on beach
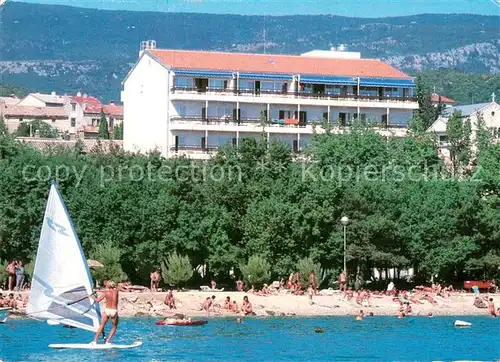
column 11, row 301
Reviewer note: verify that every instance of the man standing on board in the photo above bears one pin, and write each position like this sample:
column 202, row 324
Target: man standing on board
column 110, row 311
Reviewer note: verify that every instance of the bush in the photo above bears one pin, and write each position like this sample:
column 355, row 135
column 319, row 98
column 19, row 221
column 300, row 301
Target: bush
column 256, row 272
column 304, row 267
column 3, row 275
column 110, row 256
column 176, row 270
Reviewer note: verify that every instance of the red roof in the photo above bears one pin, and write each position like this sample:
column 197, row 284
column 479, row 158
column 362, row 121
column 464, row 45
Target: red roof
column 289, row 64
column 16, row 111
column 113, row 110
column 439, row 98
column 89, row 104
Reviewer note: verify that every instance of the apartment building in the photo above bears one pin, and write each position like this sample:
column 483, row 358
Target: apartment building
column 192, row 102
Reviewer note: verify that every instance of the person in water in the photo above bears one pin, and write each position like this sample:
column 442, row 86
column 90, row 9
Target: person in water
column 491, row 308
column 360, row 315
column 110, row 311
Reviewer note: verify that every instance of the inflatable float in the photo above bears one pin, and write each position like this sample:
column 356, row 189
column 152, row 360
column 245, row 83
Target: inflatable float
column 462, row 324
column 180, row 322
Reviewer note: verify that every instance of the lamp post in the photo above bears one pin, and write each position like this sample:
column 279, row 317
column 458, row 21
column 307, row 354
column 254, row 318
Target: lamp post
column 345, row 221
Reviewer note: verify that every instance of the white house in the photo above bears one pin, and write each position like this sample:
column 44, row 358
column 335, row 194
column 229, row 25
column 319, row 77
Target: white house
column 192, row 102
column 51, row 108
column 490, row 112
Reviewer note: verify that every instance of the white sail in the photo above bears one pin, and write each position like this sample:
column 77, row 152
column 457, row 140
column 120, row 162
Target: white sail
column 61, row 280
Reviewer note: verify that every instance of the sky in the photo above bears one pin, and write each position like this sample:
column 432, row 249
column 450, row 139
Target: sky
column 353, row 8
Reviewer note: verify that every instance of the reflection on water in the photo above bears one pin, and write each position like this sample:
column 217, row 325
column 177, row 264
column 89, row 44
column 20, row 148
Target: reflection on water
column 258, row 339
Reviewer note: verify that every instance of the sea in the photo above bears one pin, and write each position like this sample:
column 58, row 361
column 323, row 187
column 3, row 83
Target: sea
column 267, row 339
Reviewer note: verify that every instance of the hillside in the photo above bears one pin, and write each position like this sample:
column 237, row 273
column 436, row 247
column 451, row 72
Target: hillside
column 66, row 48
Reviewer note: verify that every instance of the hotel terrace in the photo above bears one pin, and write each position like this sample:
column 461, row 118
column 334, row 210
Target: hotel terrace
column 192, row 102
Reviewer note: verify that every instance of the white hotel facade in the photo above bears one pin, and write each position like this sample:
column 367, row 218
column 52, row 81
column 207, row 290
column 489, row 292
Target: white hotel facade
column 192, row 102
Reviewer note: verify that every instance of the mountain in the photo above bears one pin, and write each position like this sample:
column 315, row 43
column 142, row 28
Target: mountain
column 49, row 47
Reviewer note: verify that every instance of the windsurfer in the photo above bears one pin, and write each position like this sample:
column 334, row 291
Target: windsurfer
column 110, row 311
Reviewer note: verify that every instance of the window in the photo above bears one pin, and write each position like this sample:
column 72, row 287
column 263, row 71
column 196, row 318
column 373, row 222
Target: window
column 443, row 140
column 367, row 91
column 305, row 88
column 181, row 110
column 73, row 107
column 360, row 116
column 493, row 113
column 286, row 114
column 271, row 87
column 53, row 120
column 181, row 82
column 332, row 90
column 73, row 122
column 217, row 84
column 247, row 85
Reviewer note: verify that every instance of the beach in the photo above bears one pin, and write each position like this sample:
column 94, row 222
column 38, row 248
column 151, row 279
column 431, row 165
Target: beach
column 189, row 303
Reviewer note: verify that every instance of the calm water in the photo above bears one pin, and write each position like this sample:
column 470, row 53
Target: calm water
column 375, row 338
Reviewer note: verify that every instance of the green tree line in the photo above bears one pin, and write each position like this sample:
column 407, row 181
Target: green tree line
column 405, row 208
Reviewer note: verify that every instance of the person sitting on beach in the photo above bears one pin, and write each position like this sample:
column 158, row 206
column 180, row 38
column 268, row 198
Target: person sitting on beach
column 348, row 294
column 282, row 285
column 252, row 290
column 493, row 286
column 169, row 300
column 479, row 303
column 265, row 290
column 234, row 307
column 213, row 284
column 428, row 298
column 207, row 304
column 11, row 302
column 247, row 306
column 227, row 303
column 491, row 308
column 360, row 315
column 240, row 285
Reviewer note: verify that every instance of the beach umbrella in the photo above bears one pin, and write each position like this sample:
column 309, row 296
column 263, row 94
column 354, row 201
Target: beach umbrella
column 94, row 264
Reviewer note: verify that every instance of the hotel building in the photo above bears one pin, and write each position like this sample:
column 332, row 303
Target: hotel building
column 192, row 102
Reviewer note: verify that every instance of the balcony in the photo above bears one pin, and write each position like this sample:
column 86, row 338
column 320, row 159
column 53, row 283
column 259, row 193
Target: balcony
column 300, row 97
column 253, row 125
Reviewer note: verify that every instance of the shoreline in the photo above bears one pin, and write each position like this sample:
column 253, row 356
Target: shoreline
column 188, row 303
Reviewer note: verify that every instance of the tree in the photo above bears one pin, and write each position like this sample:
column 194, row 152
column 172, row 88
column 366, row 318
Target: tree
column 256, row 272
column 426, row 112
column 3, row 127
column 110, row 256
column 177, row 270
column 459, row 139
column 103, row 127
column 304, row 267
column 29, row 129
column 118, row 132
